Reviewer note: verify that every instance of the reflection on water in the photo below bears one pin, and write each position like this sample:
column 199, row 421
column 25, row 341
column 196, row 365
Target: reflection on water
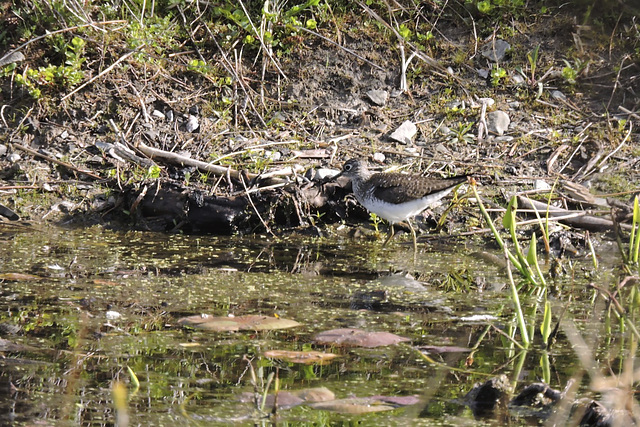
column 98, row 302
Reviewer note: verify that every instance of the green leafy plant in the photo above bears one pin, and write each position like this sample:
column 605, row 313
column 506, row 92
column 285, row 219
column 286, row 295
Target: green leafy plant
column 528, row 267
column 498, row 74
column 532, row 57
column 52, row 76
column 496, row 8
column 275, row 26
column 375, row 221
column 153, row 172
column 569, row 74
column 634, row 239
column 462, row 133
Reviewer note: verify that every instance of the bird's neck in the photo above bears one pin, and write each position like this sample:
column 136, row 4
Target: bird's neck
column 358, row 181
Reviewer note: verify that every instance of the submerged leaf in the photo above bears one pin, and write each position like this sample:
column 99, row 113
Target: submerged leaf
column 358, row 338
column 305, row 357
column 243, row 323
column 19, row 277
column 365, row 405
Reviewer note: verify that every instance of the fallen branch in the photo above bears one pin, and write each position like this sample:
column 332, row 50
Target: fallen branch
column 56, row 161
column 585, row 221
column 178, row 159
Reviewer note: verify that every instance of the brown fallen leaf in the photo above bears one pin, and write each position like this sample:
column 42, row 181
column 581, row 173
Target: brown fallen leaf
column 305, row 357
column 241, row 323
column 354, row 405
column 19, row 277
column 358, row 338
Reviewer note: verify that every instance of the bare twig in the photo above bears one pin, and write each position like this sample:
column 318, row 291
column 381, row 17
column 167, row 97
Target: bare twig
column 107, row 70
column 64, row 30
column 255, row 209
column 56, row 161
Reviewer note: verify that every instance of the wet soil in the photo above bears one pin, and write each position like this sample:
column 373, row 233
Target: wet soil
column 67, row 161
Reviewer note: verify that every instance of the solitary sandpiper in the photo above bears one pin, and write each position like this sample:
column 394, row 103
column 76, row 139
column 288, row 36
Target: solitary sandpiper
column 396, row 197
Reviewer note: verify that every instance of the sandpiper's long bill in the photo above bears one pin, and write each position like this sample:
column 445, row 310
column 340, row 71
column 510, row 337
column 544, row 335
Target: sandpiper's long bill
column 396, row 197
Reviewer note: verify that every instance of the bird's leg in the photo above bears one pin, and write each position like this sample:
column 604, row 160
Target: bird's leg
column 392, row 232
column 413, row 234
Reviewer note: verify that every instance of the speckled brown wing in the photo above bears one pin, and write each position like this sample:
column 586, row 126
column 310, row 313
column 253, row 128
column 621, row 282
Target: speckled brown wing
column 400, row 188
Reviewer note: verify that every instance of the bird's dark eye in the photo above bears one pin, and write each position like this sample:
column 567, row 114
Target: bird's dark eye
column 348, row 167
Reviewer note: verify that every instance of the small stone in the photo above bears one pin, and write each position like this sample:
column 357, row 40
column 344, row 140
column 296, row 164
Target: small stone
column 450, row 71
column 498, row 122
column 405, row 133
column 169, row 115
column 158, row 115
column 273, row 155
column 486, row 101
column 556, row 94
column 496, row 50
column 378, row 97
column 453, row 104
column 445, row 130
column 13, row 157
column 379, row 157
column 505, row 138
column 47, row 187
column 193, row 110
column 3, row 149
column 112, row 315
column 64, row 135
column 514, row 104
column 320, row 174
column 484, row 73
column 517, row 79
column 192, row 123
column 541, row 185
column 11, row 58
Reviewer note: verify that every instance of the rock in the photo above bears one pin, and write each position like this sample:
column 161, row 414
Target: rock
column 444, row 130
column 405, row 133
column 11, row 58
column 192, row 123
column 8, row 213
column 379, row 157
column 541, row 185
column 483, row 101
column 378, row 97
column 3, row 150
column 505, row 138
column 514, row 104
column 14, row 157
column 517, row 79
column 556, row 94
column 320, row 174
column 484, row 397
column 484, row 73
column 169, row 115
column 112, row 315
column 158, row 115
column 453, row 104
column 498, row 122
column 496, row 50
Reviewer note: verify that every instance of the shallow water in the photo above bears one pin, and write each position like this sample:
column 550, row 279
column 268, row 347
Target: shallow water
column 99, row 302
